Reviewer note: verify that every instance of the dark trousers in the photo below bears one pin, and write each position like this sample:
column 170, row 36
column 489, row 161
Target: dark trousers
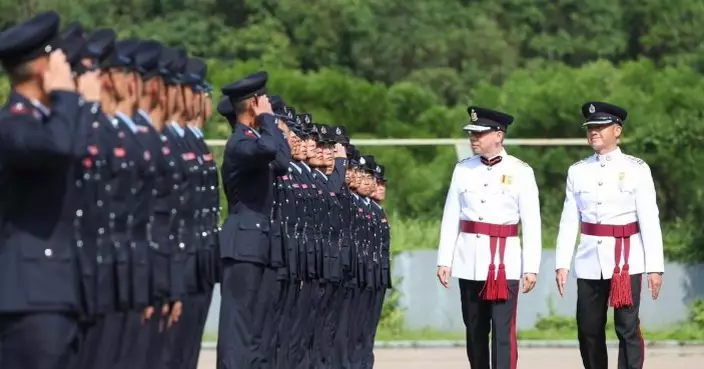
column 592, row 305
column 285, row 335
column 298, row 335
column 158, row 339
column 346, row 318
column 481, row 317
column 237, row 340
column 38, row 340
column 186, row 335
column 265, row 322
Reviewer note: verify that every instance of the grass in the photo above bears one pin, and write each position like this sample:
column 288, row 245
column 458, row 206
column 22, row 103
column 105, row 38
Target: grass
column 684, row 333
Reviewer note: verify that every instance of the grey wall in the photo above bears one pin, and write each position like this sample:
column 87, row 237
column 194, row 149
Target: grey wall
column 427, row 304
column 430, row 305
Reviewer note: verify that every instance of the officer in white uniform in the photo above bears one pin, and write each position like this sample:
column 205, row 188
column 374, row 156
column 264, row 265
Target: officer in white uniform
column 612, row 195
column 489, row 193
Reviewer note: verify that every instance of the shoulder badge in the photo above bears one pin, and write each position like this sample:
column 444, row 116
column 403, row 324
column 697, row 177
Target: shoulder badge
column 578, row 163
column 635, row 160
column 519, row 161
column 19, row 108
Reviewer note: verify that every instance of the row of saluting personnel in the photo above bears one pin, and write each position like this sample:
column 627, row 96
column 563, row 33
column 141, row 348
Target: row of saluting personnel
column 305, row 231
column 109, row 204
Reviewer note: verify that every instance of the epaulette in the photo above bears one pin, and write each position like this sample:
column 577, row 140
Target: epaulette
column 466, row 159
column 577, row 163
column 520, row 161
column 634, row 159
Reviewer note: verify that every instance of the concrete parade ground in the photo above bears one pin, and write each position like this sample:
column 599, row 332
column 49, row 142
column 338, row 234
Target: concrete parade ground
column 691, row 357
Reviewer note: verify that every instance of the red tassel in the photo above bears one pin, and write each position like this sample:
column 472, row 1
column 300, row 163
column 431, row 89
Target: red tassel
column 625, row 289
column 489, row 291
column 501, row 284
column 615, row 293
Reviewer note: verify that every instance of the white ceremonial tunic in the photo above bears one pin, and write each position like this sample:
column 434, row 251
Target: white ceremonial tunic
column 615, row 189
column 501, row 194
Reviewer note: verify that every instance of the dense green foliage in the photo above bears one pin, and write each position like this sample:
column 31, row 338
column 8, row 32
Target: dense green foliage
column 409, row 68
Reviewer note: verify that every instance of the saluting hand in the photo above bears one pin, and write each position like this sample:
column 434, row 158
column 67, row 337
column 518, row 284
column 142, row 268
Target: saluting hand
column 561, row 280
column 340, row 151
column 89, row 85
column 262, row 105
column 444, row 276
column 529, row 281
column 58, row 75
column 654, row 284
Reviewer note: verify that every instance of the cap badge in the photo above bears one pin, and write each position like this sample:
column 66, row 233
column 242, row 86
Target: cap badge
column 338, row 131
column 378, row 170
column 323, row 130
column 307, row 118
column 362, row 161
column 473, row 116
column 298, row 120
column 592, row 109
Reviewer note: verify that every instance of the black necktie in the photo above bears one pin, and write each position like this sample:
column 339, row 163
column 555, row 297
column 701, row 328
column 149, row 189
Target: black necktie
column 491, row 162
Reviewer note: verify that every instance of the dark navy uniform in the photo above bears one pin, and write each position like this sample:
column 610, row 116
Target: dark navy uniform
column 252, row 160
column 39, row 286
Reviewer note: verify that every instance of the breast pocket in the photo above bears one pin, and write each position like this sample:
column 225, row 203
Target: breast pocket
column 252, row 239
column 121, row 169
column 626, row 194
column 479, row 197
column 584, row 196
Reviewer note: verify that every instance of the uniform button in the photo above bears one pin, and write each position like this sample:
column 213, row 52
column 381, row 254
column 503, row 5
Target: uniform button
column 486, row 184
column 488, row 168
column 257, row 225
column 598, row 222
column 478, row 236
column 204, row 234
column 598, row 203
column 481, row 218
column 181, row 246
column 601, row 183
column 99, row 259
column 48, row 253
column 483, row 201
column 599, row 242
column 603, row 165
